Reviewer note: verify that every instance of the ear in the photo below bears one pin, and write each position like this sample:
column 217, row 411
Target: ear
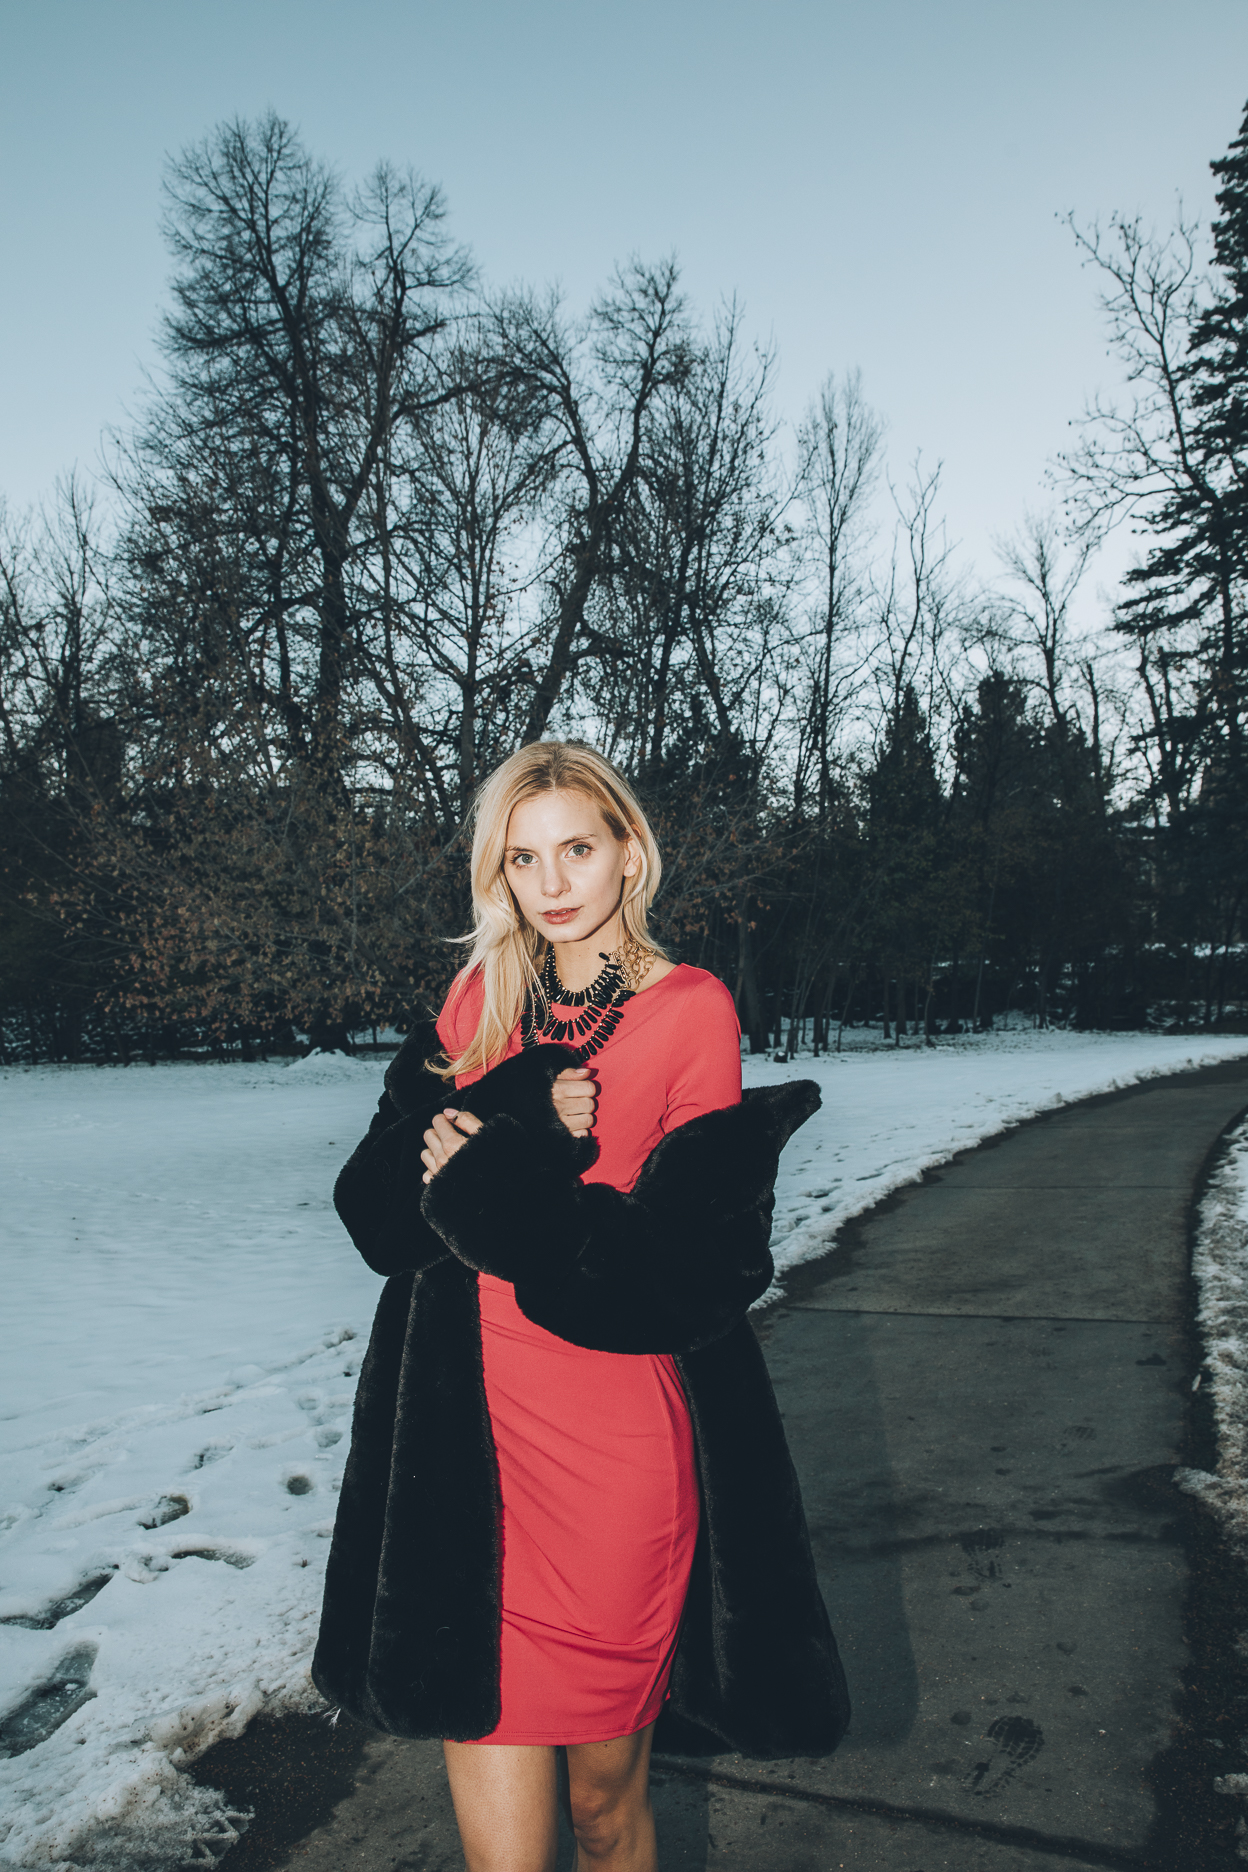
column 632, row 858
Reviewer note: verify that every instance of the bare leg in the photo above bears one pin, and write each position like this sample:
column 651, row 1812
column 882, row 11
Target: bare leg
column 505, row 1803
column 609, row 1792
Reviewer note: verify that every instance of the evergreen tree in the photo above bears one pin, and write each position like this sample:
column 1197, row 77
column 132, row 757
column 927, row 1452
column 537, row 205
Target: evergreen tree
column 1220, row 364
column 907, row 878
column 1177, row 461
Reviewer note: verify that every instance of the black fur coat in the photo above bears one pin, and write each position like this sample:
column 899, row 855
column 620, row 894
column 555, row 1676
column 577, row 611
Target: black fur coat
column 410, row 1629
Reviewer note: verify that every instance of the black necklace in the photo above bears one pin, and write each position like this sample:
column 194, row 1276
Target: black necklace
column 588, row 1031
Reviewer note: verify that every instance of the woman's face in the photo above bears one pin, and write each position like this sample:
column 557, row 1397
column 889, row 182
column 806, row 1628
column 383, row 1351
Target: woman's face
column 567, row 869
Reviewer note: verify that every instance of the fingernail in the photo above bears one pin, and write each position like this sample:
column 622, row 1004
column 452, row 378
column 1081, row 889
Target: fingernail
column 449, row 1111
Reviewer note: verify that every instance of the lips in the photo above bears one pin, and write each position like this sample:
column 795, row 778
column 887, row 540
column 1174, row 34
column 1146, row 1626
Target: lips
column 560, row 916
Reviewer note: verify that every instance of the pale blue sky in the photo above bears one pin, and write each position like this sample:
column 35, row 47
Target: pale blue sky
column 879, row 181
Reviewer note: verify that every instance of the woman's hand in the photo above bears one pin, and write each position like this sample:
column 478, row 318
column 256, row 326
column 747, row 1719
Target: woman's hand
column 449, row 1132
column 575, row 1095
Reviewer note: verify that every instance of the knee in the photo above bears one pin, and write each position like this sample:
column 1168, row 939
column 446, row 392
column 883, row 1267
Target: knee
column 595, row 1821
column 603, row 1820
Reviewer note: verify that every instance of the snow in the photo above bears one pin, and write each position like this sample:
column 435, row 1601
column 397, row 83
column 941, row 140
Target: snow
column 185, row 1324
column 1220, row 1266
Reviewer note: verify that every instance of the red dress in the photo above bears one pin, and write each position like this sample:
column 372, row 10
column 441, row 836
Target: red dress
column 595, row 1450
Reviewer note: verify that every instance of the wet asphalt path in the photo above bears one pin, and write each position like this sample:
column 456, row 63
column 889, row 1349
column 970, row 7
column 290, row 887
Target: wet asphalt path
column 986, row 1389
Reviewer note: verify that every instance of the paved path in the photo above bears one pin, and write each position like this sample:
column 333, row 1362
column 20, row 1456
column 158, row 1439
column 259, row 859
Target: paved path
column 986, row 1392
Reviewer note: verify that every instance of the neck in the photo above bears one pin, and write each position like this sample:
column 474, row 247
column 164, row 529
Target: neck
column 580, row 963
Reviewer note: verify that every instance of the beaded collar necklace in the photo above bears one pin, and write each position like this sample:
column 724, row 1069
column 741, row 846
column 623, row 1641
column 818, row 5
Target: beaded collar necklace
column 600, row 1007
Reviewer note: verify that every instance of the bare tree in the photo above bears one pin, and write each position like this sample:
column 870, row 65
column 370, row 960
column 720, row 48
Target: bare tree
column 840, row 445
column 595, row 385
column 462, row 549
column 57, row 648
column 697, row 575
column 300, row 336
column 1036, row 562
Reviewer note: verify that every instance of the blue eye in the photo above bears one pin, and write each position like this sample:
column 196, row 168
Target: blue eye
column 576, row 850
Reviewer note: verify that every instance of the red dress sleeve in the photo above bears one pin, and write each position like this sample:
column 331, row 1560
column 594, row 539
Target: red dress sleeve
column 704, row 1070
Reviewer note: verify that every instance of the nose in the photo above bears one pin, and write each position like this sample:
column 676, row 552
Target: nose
column 554, row 880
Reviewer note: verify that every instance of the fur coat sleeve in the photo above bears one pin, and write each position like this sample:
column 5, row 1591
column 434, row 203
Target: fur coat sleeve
column 378, row 1190
column 668, row 1267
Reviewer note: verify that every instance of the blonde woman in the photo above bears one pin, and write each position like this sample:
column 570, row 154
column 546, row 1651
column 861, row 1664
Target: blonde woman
column 569, row 1514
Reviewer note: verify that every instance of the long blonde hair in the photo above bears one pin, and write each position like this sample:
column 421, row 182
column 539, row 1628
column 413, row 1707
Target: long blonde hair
column 506, row 950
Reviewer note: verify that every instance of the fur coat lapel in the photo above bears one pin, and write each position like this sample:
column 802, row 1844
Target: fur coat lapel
column 410, row 1629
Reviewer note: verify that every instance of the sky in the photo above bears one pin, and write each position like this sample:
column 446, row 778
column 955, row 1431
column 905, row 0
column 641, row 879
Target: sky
column 879, row 182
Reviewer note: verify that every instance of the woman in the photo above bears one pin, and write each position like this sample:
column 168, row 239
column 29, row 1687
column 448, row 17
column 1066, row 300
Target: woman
column 568, row 1512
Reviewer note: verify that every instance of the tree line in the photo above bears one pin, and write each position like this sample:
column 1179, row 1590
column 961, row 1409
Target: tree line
column 376, row 525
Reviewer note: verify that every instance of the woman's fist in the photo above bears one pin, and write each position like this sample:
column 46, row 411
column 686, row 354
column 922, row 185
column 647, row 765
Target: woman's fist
column 448, row 1133
column 576, row 1096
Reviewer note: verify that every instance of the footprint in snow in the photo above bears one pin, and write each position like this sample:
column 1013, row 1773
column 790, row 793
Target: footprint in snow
column 144, row 1569
column 214, row 1550
column 51, row 1703
column 168, row 1508
column 211, row 1452
column 70, row 1479
column 51, row 1615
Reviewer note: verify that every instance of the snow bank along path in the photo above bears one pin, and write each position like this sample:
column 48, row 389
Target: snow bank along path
column 1220, row 1264
column 184, row 1323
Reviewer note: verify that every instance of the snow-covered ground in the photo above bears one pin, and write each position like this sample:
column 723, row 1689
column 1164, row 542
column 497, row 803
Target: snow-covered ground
column 184, row 1325
column 1220, row 1264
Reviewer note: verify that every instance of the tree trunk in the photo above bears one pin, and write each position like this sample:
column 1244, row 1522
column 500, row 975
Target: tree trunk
column 327, row 1034
column 749, row 1002
column 849, row 998
column 952, row 1025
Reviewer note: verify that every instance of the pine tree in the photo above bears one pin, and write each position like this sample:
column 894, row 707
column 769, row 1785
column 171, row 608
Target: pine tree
column 907, row 879
column 1186, row 602
column 1211, row 543
column 1179, row 463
